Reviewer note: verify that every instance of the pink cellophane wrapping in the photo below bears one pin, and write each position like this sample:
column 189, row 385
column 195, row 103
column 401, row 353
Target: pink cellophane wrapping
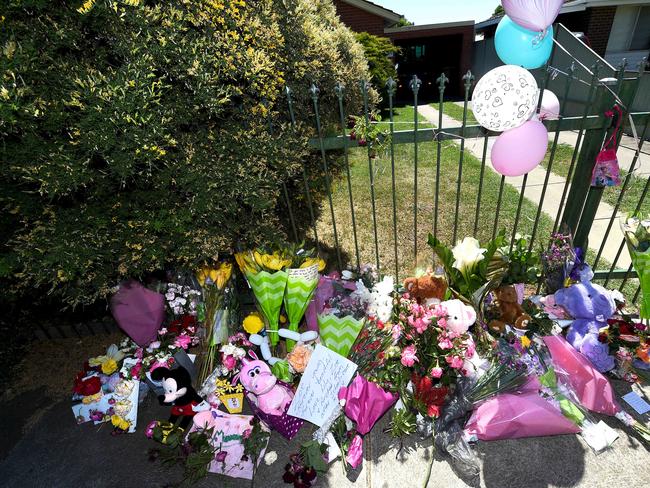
column 324, row 291
column 138, row 311
column 516, row 415
column 365, row 403
column 592, row 389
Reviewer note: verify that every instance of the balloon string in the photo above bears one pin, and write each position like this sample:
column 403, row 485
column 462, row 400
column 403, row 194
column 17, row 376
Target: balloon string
column 587, row 70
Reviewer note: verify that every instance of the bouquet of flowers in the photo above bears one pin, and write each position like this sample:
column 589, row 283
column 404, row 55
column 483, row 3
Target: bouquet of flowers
column 182, row 300
column 302, row 279
column 345, row 312
column 434, row 349
column 214, row 282
column 469, row 266
column 628, row 341
column 637, row 237
column 216, row 388
column 557, row 262
column 266, row 274
column 103, row 393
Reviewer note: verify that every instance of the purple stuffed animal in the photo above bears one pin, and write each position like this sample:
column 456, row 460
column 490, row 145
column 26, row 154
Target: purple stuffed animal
column 256, row 377
column 590, row 305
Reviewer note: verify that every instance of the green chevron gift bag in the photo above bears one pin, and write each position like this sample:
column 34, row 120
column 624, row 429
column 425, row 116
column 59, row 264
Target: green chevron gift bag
column 339, row 333
column 637, row 236
column 268, row 289
column 301, row 284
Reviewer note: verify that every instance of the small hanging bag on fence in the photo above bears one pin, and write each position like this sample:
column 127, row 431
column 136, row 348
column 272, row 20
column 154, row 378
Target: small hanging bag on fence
column 606, row 171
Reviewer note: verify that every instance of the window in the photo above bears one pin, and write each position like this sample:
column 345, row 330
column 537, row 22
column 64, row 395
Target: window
column 417, row 52
column 641, row 36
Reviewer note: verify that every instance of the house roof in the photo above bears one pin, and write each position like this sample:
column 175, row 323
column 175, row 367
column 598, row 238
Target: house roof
column 578, row 5
column 414, row 28
column 373, row 8
column 572, row 6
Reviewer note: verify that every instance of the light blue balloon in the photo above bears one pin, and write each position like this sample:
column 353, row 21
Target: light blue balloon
column 522, row 47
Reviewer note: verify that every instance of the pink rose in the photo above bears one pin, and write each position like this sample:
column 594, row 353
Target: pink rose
column 246, row 434
column 471, row 349
column 439, row 311
column 229, row 362
column 437, row 372
column 445, row 343
column 397, row 331
column 455, row 362
column 408, row 356
column 183, row 341
column 135, row 370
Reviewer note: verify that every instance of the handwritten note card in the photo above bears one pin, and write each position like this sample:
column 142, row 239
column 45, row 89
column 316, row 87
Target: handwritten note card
column 317, row 394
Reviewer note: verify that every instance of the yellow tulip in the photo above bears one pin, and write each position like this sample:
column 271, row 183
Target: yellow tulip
column 203, row 274
column 241, row 260
column 223, row 275
column 311, row 261
column 214, row 274
column 259, row 258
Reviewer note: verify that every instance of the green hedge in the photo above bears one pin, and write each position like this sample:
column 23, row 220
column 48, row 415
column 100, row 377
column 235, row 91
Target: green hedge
column 143, row 135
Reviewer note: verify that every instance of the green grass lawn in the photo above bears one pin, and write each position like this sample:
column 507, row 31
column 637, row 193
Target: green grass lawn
column 424, row 214
column 405, row 193
column 456, row 112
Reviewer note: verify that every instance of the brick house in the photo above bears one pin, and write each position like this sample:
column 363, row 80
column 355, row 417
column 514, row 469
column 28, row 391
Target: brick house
column 426, row 50
column 363, row 16
column 614, row 29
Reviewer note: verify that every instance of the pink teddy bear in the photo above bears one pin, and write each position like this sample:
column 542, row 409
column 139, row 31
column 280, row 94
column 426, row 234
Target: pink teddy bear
column 262, row 386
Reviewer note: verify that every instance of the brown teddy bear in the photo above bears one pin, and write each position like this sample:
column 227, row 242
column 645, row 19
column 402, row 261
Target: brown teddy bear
column 510, row 312
column 427, row 289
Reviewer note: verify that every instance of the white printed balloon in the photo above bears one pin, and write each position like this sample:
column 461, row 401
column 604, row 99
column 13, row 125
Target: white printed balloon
column 505, row 98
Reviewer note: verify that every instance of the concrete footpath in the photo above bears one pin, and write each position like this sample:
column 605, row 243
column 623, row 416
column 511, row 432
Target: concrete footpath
column 556, row 184
column 43, row 447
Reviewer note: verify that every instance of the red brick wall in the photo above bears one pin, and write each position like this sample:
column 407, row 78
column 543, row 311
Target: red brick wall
column 599, row 25
column 359, row 20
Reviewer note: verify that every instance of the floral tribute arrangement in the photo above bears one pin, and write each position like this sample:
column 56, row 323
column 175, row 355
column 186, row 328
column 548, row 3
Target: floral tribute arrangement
column 470, row 353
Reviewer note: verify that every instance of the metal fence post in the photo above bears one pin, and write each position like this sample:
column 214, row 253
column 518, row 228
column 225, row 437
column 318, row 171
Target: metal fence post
column 625, row 93
column 580, row 211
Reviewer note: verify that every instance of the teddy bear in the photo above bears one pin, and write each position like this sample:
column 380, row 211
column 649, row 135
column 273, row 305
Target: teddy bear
column 460, row 316
column 428, row 289
column 510, row 311
column 591, row 306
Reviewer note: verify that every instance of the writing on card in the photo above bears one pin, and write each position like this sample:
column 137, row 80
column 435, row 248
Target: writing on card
column 317, row 394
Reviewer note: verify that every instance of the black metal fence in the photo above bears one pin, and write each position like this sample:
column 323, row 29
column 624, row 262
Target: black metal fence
column 362, row 223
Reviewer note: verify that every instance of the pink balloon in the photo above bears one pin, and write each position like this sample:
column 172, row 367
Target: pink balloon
column 534, row 15
column 550, row 108
column 517, row 151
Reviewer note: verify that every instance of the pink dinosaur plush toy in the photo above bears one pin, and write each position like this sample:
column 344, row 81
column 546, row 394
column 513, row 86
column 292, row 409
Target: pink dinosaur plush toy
column 256, row 377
